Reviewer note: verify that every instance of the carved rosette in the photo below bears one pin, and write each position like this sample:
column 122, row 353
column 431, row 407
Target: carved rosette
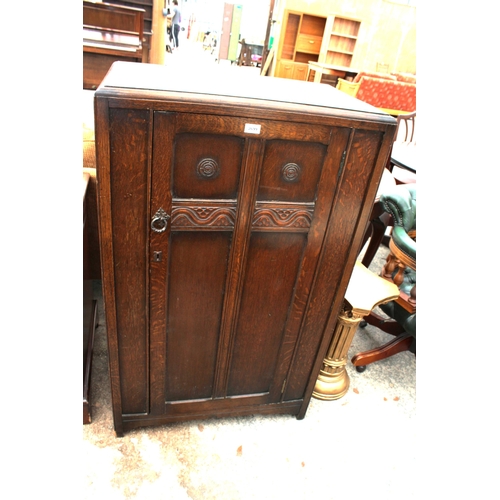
column 208, row 168
column 203, row 217
column 291, row 172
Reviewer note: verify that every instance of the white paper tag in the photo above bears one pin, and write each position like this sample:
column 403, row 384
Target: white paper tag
column 252, row 128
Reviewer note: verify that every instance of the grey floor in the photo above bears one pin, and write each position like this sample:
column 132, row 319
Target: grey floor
column 362, row 445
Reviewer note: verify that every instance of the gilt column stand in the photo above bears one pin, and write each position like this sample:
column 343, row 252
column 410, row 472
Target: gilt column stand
column 366, row 290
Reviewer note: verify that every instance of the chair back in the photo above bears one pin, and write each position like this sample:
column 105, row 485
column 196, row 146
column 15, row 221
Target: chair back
column 401, row 203
column 405, row 130
column 347, row 87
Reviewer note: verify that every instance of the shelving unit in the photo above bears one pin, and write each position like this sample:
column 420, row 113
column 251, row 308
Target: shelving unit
column 342, row 41
column 306, row 37
column 301, row 43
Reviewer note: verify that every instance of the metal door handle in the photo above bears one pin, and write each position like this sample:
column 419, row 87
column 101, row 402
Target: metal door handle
column 159, row 221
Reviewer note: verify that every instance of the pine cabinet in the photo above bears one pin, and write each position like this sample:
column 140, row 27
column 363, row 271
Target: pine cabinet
column 306, row 37
column 230, row 220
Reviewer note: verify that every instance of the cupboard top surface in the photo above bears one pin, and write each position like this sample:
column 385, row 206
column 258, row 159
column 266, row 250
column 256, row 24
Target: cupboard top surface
column 149, row 81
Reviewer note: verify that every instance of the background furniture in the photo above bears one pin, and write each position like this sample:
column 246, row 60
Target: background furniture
column 147, row 6
column 382, row 67
column 89, row 309
column 399, row 171
column 393, row 93
column 379, row 220
column 366, row 290
column 403, row 162
column 231, row 218
column 110, row 33
column 347, row 87
column 325, row 39
column 250, row 54
column 400, row 269
column 316, row 71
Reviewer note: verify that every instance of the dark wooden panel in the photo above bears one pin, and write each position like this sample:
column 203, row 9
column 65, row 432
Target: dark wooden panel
column 272, row 267
column 147, row 5
column 195, row 298
column 291, row 171
column 129, row 157
column 206, row 166
column 110, row 16
column 350, row 198
column 202, row 410
column 236, row 126
column 96, row 66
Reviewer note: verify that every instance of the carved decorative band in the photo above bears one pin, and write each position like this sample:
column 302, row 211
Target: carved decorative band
column 208, row 168
column 283, row 218
column 203, row 217
column 291, row 172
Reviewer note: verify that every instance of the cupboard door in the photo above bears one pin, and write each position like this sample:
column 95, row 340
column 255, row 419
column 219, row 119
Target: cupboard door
column 232, row 268
column 195, row 181
column 296, row 189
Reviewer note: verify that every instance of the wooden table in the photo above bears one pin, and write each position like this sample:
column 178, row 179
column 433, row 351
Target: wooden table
column 404, row 162
column 329, row 69
column 404, row 155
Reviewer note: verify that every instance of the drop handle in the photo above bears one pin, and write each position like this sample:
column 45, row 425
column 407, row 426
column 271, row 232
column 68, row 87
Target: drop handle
column 159, row 221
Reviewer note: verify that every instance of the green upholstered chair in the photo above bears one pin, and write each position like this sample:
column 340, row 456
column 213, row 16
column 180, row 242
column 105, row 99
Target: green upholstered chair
column 401, row 268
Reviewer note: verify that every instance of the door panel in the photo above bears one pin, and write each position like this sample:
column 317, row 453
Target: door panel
column 198, row 263
column 206, row 166
column 268, row 289
column 291, row 171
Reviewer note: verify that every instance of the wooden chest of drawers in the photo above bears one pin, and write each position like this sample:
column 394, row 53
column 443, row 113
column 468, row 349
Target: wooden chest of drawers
column 230, row 220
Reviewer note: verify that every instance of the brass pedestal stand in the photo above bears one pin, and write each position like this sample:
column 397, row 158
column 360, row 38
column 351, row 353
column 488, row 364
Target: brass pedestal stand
column 366, row 290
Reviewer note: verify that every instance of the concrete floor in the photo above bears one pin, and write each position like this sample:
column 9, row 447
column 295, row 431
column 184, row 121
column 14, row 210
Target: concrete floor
column 362, row 445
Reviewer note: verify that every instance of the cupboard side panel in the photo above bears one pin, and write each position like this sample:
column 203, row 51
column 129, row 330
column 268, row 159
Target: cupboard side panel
column 129, row 139
column 197, row 277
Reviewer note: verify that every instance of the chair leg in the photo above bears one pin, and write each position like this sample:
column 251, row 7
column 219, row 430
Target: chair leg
column 378, row 228
column 399, row 344
column 390, row 326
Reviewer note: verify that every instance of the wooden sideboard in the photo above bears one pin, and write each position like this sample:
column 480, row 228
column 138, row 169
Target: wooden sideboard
column 230, row 221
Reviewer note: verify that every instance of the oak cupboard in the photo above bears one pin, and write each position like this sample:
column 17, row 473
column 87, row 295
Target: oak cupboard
column 230, row 219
